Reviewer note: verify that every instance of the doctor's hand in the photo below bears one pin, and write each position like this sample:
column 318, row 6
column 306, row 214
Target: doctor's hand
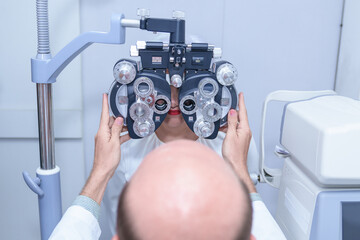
column 108, row 141
column 237, row 141
column 107, row 153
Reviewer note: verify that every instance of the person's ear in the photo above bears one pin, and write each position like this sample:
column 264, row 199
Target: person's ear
column 251, row 237
column 115, row 237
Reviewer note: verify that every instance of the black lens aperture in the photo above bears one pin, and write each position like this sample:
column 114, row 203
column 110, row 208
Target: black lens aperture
column 189, row 105
column 160, row 104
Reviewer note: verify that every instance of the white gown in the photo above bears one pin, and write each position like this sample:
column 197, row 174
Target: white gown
column 79, row 224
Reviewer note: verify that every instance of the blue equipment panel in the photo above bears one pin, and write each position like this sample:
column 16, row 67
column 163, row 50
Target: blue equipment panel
column 350, row 220
column 336, row 215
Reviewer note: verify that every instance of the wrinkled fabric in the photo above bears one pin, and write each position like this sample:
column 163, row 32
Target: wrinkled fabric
column 264, row 226
column 77, row 224
column 80, row 224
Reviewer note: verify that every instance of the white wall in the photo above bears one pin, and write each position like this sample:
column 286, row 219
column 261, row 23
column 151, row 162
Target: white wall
column 348, row 74
column 274, row 45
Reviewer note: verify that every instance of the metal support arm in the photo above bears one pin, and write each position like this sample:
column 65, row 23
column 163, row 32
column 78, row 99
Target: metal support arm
column 46, row 70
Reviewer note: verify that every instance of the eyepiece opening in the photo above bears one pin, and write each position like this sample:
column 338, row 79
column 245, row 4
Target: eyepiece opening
column 189, row 105
column 161, row 104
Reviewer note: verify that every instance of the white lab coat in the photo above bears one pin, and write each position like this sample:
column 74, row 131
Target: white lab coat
column 79, row 224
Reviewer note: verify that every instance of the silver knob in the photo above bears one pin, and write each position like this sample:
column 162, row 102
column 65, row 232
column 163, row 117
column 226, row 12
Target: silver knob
column 143, row 13
column 203, row 128
column 226, row 74
column 212, row 112
column 178, row 14
column 139, row 111
column 176, row 80
column 205, row 131
column 124, row 72
column 144, row 128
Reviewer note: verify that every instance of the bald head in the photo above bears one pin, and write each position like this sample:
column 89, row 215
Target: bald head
column 184, row 190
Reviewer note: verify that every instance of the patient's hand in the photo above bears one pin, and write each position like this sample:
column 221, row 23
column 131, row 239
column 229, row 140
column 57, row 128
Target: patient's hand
column 237, row 141
column 107, row 153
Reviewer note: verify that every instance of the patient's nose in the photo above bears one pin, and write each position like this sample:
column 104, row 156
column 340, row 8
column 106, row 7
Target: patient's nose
column 174, row 97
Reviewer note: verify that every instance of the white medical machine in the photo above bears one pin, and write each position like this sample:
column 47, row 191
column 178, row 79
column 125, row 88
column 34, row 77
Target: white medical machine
column 319, row 185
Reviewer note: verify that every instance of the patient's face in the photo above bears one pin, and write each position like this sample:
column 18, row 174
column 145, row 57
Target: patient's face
column 174, row 117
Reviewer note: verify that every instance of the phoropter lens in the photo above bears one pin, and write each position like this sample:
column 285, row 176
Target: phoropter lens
column 160, row 104
column 209, row 89
column 189, row 105
column 212, row 112
column 144, row 88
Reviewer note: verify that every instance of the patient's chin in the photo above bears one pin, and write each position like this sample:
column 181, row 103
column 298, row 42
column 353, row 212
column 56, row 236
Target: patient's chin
column 174, row 121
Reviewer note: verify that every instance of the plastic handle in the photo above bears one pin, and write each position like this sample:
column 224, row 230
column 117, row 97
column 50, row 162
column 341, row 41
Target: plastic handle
column 273, row 175
column 33, row 184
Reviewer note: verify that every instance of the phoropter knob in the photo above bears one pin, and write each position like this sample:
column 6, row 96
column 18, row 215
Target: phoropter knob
column 203, row 128
column 176, row 80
